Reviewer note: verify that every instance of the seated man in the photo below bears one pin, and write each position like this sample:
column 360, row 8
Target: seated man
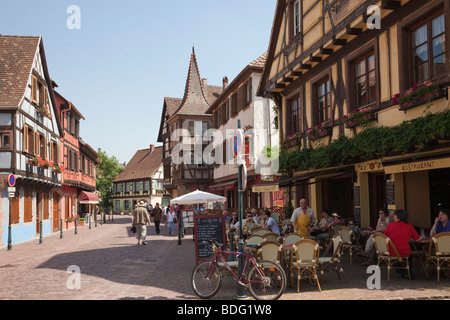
column 269, row 223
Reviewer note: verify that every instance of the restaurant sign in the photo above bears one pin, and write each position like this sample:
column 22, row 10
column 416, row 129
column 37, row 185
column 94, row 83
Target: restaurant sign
column 268, row 188
column 418, row 166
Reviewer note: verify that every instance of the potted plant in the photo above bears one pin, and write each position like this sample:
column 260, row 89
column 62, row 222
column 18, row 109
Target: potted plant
column 45, row 111
column 81, row 222
column 58, row 168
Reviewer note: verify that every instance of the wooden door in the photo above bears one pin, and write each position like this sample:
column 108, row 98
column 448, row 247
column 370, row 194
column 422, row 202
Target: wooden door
column 378, row 200
column 56, row 219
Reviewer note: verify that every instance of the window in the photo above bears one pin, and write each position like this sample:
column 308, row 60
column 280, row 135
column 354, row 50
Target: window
column 323, row 100
column 428, row 49
column 295, row 124
column 297, row 18
column 5, row 140
column 39, row 92
column 28, row 140
column 365, row 81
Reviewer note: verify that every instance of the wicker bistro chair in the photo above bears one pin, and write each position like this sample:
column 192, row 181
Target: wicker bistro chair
column 334, row 261
column 271, row 236
column 306, row 261
column 254, row 240
column 270, row 250
column 292, row 238
column 382, row 243
column 260, row 232
column 441, row 255
column 350, row 242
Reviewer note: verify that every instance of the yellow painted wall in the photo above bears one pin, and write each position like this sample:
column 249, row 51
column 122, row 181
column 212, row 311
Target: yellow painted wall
column 417, row 193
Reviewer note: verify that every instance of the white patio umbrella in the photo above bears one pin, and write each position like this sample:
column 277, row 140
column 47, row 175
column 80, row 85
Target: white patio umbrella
column 198, row 197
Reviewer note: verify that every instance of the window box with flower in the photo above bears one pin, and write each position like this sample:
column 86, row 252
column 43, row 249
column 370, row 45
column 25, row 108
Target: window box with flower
column 418, row 95
column 36, row 161
column 291, row 141
column 359, row 117
column 58, row 168
column 318, row 132
column 45, row 111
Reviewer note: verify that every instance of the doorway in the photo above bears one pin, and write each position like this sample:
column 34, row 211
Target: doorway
column 439, row 191
column 56, row 222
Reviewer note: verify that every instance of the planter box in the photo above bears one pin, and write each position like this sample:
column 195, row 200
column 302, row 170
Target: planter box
column 323, row 133
column 361, row 120
column 427, row 97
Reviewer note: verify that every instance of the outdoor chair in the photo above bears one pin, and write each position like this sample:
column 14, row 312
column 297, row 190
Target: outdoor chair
column 292, row 238
column 334, row 262
column 350, row 242
column 382, row 243
column 270, row 250
column 306, row 254
column 271, row 236
column 275, row 216
column 260, row 232
column 254, row 240
column 441, row 254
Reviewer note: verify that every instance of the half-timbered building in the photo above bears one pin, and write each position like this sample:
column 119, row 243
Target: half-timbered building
column 30, row 138
column 188, row 113
column 361, row 88
column 79, row 161
column 237, row 106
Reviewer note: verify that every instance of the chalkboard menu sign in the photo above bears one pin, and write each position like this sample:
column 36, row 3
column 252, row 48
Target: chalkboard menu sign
column 208, row 228
column 390, row 194
column 356, row 196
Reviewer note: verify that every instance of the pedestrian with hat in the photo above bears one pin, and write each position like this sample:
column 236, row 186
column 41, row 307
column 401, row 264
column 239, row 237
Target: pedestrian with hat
column 140, row 220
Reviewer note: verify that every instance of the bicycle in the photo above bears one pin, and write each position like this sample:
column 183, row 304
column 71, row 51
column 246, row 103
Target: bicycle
column 265, row 280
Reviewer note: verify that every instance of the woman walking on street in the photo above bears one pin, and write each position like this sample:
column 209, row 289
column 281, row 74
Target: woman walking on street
column 140, row 219
column 170, row 217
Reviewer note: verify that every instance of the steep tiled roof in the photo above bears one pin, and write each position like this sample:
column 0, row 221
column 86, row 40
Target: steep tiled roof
column 194, row 100
column 16, row 59
column 143, row 165
column 260, row 62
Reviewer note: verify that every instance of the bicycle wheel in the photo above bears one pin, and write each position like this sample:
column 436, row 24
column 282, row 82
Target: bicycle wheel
column 269, row 287
column 204, row 284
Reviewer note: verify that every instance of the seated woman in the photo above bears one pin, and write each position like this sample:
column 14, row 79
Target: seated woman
column 320, row 231
column 369, row 251
column 441, row 223
column 401, row 232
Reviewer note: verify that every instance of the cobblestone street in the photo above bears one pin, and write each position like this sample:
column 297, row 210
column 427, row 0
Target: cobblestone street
column 114, row 267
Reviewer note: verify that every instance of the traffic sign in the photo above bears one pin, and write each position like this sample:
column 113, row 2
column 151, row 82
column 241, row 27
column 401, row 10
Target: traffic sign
column 11, row 180
column 238, row 142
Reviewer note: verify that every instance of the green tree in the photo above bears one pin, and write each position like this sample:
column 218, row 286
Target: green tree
column 107, row 171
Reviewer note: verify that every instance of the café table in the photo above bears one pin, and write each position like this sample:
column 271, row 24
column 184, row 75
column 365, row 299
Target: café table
column 420, row 250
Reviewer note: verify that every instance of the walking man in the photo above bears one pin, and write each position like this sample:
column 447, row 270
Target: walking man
column 140, row 220
column 157, row 215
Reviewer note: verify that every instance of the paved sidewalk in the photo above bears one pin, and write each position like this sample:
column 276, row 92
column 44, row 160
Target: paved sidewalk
column 113, row 267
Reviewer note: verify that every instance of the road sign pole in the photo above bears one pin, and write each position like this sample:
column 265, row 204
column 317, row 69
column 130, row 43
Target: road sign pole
column 9, row 227
column 241, row 291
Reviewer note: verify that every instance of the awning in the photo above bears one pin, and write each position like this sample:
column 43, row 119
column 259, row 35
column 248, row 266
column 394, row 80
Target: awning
column 87, row 198
column 223, row 186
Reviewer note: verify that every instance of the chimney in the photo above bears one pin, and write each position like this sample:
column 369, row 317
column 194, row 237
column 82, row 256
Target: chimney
column 152, row 148
column 205, row 83
column 225, row 82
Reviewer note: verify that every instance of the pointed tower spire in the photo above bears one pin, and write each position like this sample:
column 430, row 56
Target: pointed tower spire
column 194, row 100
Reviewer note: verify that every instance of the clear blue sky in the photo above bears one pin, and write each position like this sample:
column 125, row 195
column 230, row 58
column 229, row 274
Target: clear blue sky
column 129, row 55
